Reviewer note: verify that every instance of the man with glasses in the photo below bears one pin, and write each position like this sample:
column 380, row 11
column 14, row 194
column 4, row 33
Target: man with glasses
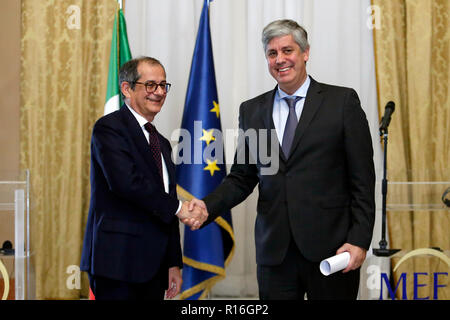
column 132, row 243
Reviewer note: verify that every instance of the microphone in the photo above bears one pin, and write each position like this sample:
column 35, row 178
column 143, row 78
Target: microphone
column 388, row 111
column 7, row 248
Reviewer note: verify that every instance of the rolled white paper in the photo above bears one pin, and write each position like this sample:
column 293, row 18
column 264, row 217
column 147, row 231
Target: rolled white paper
column 334, row 263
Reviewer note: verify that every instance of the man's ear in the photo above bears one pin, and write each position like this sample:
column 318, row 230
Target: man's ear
column 306, row 55
column 125, row 88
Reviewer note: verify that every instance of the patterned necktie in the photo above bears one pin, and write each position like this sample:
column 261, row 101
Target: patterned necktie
column 291, row 125
column 154, row 146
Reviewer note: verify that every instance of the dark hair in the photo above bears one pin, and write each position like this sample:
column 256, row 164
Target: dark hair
column 129, row 70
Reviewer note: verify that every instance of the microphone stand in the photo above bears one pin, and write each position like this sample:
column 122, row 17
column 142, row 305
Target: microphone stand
column 383, row 251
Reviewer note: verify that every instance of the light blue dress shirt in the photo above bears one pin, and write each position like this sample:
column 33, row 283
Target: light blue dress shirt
column 281, row 109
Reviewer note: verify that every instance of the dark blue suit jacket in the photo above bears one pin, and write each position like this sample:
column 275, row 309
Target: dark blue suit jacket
column 132, row 229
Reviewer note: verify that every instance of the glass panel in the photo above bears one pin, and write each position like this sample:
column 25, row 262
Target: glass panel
column 17, row 272
column 416, row 195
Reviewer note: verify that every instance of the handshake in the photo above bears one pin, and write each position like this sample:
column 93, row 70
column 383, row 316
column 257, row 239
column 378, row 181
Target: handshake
column 193, row 213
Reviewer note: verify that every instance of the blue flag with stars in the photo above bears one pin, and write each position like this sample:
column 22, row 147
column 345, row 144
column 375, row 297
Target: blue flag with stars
column 206, row 251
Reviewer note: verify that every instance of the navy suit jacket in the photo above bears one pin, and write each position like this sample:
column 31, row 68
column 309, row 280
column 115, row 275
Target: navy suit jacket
column 132, row 229
column 323, row 194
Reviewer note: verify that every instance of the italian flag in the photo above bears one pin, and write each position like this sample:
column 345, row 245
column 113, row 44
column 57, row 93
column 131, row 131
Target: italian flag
column 120, row 53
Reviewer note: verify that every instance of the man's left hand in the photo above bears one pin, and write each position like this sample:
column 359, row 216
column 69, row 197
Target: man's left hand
column 175, row 281
column 357, row 256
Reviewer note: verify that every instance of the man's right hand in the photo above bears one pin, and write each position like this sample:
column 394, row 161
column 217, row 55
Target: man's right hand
column 193, row 215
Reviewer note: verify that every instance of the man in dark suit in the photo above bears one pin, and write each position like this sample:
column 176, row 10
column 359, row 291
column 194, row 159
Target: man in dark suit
column 132, row 246
column 320, row 201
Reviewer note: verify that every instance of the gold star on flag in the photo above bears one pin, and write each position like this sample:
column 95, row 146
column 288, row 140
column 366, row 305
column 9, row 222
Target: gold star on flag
column 207, row 136
column 216, row 109
column 212, row 166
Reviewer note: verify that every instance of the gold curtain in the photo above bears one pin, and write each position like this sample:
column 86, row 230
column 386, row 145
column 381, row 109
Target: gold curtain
column 412, row 53
column 65, row 55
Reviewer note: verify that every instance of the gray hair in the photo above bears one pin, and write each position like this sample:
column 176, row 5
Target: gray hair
column 284, row 27
column 129, row 70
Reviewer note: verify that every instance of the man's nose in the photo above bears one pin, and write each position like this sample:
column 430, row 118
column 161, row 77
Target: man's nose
column 280, row 58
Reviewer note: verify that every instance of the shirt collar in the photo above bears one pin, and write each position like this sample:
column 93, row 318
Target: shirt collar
column 140, row 119
column 301, row 92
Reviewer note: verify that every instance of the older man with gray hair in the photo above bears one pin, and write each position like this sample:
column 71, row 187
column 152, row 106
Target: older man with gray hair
column 131, row 248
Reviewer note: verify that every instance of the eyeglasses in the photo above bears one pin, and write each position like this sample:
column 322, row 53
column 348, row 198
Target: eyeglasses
column 151, row 86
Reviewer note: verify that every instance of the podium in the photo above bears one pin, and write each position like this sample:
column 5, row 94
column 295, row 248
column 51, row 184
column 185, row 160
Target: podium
column 17, row 281
column 409, row 197
column 406, row 197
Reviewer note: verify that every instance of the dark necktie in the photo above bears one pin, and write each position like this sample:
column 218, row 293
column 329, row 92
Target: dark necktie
column 154, row 146
column 291, row 125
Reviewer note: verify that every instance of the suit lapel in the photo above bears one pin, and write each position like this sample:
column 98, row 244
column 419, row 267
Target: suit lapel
column 267, row 109
column 138, row 137
column 310, row 108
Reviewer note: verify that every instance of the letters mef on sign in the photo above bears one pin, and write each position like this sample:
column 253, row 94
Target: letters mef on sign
column 435, row 280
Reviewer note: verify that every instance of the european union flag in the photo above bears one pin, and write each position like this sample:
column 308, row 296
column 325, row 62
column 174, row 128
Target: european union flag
column 207, row 251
